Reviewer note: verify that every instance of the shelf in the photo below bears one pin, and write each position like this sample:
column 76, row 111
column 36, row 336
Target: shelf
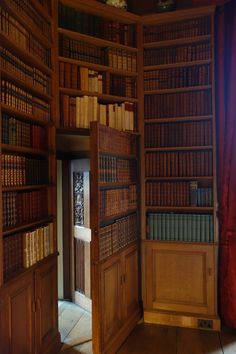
column 182, row 242
column 26, row 226
column 175, row 42
column 193, row 178
column 115, row 184
column 26, row 188
column 180, row 148
column 122, row 249
column 73, row 131
column 177, row 90
column 42, row 10
column 100, row 96
column 23, row 149
column 24, row 21
column 24, row 116
column 24, row 54
column 117, row 216
column 102, row 10
column 98, row 67
column 176, row 65
column 118, row 155
column 179, row 208
column 176, row 119
column 95, row 40
column 24, row 85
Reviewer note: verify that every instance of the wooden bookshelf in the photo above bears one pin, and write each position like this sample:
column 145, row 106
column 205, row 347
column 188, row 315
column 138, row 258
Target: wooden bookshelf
column 180, row 201
column 28, row 251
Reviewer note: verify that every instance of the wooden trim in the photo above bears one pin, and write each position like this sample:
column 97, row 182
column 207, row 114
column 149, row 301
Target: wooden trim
column 177, row 119
column 176, row 65
column 27, row 225
column 26, row 150
column 172, row 42
column 67, row 231
column 179, row 148
column 177, row 90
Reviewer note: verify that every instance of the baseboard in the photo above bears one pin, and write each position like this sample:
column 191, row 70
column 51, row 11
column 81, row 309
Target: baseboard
column 182, row 320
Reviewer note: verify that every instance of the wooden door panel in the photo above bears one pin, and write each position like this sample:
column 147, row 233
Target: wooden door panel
column 46, row 299
column 111, row 297
column 180, row 278
column 131, row 292
column 16, row 335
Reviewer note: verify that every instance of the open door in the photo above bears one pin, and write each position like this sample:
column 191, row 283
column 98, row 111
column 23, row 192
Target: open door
column 114, row 237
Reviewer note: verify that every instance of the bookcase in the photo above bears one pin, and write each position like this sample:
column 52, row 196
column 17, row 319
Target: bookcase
column 115, row 233
column 179, row 228
column 28, row 270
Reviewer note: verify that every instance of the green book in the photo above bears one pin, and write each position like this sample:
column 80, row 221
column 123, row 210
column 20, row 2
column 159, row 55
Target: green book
column 167, row 227
column 155, row 225
column 150, row 224
column 180, row 226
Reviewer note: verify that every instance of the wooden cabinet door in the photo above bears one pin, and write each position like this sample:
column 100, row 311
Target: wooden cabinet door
column 180, row 278
column 16, row 317
column 47, row 312
column 111, row 296
column 130, row 282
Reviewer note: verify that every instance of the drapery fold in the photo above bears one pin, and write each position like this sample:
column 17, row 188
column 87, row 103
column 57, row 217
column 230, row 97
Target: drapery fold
column 226, row 149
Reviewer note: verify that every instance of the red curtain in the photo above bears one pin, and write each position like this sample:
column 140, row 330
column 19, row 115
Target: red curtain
column 226, row 142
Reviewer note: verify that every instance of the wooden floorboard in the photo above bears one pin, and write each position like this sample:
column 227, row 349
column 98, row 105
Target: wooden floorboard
column 197, row 342
column 151, row 339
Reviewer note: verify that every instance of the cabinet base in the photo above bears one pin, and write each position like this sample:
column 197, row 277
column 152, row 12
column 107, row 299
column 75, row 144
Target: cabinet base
column 184, row 320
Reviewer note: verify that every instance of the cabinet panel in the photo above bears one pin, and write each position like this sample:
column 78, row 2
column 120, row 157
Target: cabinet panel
column 131, row 293
column 111, row 295
column 180, row 278
column 16, row 335
column 46, row 299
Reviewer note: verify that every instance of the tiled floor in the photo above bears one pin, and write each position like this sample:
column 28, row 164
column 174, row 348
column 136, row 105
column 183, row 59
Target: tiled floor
column 75, row 326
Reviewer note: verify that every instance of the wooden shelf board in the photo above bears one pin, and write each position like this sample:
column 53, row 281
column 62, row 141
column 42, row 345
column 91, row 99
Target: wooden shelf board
column 173, row 42
column 24, row 55
column 24, row 21
column 24, row 85
column 102, row 10
column 24, row 116
column 176, row 65
column 150, row 208
column 178, row 89
column 73, row 131
column 117, row 216
column 194, row 178
column 115, row 184
column 95, row 40
column 25, row 226
column 23, row 149
column 118, row 155
column 98, row 67
column 26, row 188
column 100, row 96
column 180, row 148
column 177, row 119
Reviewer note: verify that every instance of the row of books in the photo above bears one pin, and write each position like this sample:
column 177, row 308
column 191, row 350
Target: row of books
column 180, row 227
column 116, row 201
column 122, row 86
column 198, row 133
column 21, row 170
column 25, row 249
column 177, row 194
column 114, row 237
column 178, row 54
column 182, row 29
column 177, row 77
column 24, row 72
column 78, row 112
column 17, row 132
column 116, row 58
column 24, row 39
column 22, row 207
column 12, row 255
column 195, row 103
column 116, row 142
column 19, row 99
column 96, row 26
column 25, row 8
column 37, row 244
column 179, row 164
column 116, row 170
column 85, row 79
